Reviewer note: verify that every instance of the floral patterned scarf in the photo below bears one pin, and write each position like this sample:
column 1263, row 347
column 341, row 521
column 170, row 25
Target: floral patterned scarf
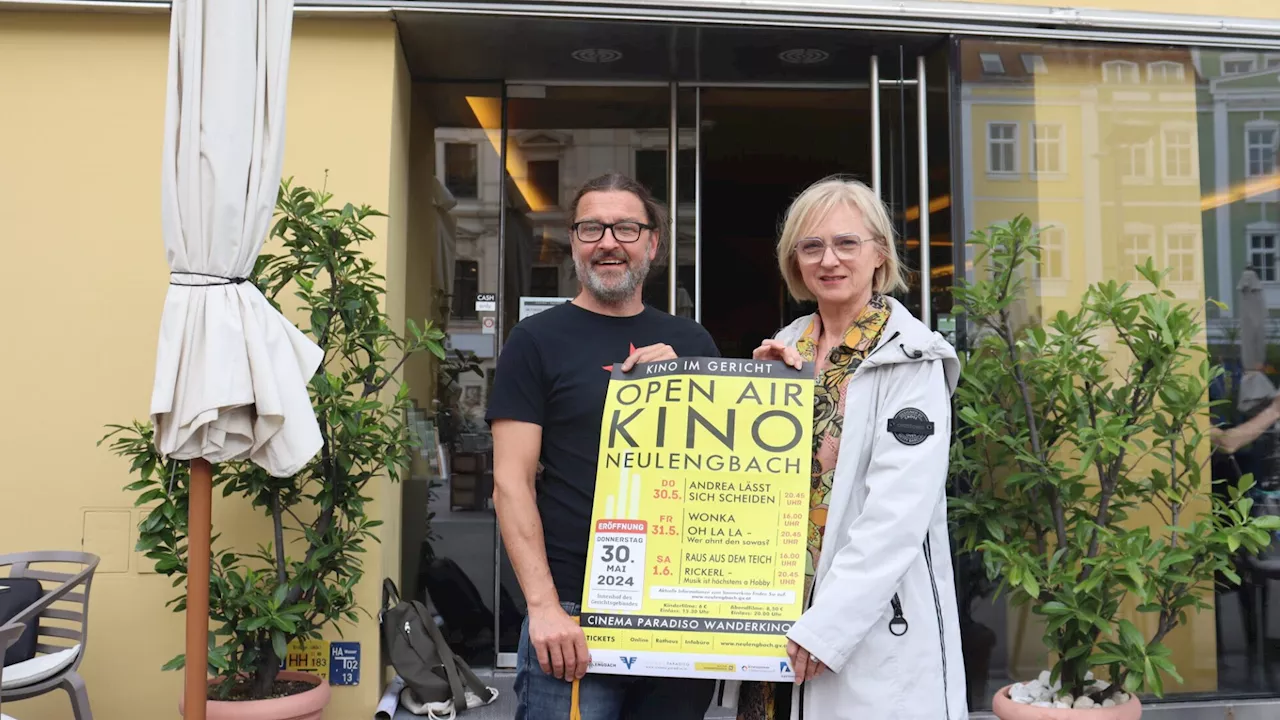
column 756, row 700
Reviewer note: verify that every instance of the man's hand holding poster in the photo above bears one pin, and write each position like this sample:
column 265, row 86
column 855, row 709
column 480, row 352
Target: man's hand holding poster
column 696, row 564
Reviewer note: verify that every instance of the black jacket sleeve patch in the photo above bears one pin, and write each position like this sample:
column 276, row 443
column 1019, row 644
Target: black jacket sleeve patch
column 910, row 426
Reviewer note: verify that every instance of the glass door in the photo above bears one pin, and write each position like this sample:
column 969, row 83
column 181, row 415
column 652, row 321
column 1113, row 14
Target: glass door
column 760, row 146
column 912, row 173
column 727, row 159
column 556, row 137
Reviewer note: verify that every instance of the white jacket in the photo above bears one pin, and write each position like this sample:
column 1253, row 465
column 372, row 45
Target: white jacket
column 886, row 537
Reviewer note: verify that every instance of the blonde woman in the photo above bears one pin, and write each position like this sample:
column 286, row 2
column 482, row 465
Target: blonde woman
column 880, row 635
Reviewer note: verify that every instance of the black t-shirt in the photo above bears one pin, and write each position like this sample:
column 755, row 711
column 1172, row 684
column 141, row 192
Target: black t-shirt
column 554, row 372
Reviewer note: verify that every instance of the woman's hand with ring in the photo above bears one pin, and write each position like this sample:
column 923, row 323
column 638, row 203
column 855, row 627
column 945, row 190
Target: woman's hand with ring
column 807, row 666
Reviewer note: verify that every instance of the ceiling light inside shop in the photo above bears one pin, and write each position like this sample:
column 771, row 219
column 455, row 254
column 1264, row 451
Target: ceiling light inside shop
column 488, row 114
column 804, row 56
column 597, row 55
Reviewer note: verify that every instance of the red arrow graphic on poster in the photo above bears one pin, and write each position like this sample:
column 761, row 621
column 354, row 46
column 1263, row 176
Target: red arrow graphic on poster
column 629, row 353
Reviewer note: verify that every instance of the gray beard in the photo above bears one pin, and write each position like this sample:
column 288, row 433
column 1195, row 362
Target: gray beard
column 621, row 290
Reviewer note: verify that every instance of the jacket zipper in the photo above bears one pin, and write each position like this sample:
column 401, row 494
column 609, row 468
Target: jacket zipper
column 942, row 637
column 898, row 623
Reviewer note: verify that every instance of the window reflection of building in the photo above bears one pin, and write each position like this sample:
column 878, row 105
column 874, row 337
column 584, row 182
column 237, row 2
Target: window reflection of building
column 1002, row 148
column 992, row 63
column 1167, row 155
column 466, row 162
column 1180, row 243
column 544, row 177
column 651, row 171
column 1034, row 64
column 1136, row 248
column 1166, row 71
column 545, row 282
column 466, row 284
column 1239, row 63
column 1118, row 72
column 1239, row 130
column 1260, row 147
column 1109, row 131
column 1048, row 150
column 1052, row 264
column 1136, row 165
column 1179, row 153
column 461, row 169
column 545, row 167
column 1262, row 255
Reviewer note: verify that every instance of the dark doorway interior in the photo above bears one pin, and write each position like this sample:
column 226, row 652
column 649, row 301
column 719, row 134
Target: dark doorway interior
column 762, row 147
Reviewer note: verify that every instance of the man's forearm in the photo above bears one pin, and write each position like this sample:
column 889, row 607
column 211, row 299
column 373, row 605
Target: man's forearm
column 521, row 526
column 1237, row 437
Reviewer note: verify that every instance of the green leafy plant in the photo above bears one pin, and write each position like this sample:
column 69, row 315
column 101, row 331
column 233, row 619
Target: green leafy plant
column 1066, row 430
column 304, row 580
column 450, row 418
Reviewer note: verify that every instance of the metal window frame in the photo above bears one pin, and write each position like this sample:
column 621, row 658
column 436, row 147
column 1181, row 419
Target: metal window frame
column 914, row 16
column 673, row 196
column 922, row 130
column 911, row 16
column 500, row 296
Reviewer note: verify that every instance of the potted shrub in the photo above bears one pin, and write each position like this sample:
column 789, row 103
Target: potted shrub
column 1067, row 429
column 451, row 419
column 304, row 579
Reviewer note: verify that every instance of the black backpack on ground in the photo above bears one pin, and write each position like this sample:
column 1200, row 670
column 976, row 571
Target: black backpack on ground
column 16, row 595
column 420, row 655
column 468, row 621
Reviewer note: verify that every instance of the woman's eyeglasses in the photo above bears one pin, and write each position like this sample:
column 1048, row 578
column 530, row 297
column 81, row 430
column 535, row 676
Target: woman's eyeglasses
column 846, row 247
column 623, row 232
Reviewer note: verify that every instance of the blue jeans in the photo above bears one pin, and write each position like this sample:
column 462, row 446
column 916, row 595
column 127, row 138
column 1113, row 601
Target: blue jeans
column 541, row 696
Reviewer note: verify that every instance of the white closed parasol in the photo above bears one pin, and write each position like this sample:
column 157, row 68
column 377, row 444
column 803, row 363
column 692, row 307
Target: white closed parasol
column 231, row 372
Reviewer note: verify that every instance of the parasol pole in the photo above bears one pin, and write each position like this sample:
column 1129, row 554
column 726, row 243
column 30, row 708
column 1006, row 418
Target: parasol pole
column 199, row 529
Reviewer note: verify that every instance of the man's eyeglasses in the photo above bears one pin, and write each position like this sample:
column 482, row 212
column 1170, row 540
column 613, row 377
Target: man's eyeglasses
column 623, row 232
column 846, row 247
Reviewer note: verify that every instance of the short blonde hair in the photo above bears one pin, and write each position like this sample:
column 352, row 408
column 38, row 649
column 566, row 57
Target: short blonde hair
column 812, row 206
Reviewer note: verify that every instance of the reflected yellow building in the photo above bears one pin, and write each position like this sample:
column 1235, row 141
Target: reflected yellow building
column 1122, row 155
column 1098, row 146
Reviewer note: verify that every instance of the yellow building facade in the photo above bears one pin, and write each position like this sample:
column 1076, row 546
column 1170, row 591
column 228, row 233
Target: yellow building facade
column 1117, row 146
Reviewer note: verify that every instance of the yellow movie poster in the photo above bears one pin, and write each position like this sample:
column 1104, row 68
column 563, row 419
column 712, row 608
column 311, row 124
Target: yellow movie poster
column 696, row 560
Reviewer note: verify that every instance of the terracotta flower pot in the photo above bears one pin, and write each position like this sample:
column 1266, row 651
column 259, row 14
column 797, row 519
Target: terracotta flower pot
column 307, row 705
column 1006, row 709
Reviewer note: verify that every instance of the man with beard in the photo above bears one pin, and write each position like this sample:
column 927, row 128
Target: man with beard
column 546, row 405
